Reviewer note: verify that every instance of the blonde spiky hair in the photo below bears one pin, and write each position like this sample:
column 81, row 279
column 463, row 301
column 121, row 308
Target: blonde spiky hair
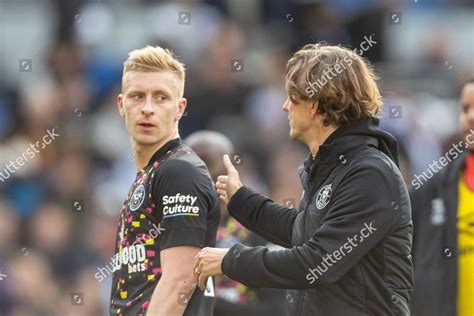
column 154, row 59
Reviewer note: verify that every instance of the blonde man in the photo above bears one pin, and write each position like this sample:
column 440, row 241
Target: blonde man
column 171, row 210
column 349, row 243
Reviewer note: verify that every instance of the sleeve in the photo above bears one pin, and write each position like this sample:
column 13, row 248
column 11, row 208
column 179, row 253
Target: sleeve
column 183, row 196
column 421, row 207
column 268, row 302
column 358, row 219
column 262, row 216
column 417, row 208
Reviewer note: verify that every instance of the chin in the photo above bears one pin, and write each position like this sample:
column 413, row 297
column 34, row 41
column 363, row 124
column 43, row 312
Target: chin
column 145, row 140
column 294, row 135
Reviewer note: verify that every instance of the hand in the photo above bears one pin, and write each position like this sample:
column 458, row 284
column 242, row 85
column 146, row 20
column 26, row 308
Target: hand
column 227, row 185
column 208, row 263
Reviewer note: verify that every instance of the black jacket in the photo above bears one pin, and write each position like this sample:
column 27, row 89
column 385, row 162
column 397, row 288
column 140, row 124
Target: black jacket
column 349, row 243
column 435, row 206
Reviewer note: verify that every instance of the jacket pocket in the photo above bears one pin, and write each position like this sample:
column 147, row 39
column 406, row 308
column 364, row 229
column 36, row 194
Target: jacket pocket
column 335, row 299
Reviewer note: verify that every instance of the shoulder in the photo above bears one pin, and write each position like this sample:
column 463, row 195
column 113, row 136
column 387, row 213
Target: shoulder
column 186, row 166
column 428, row 185
column 375, row 167
column 178, row 168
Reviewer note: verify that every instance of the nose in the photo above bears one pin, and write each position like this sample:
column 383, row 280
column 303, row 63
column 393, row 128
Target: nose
column 147, row 108
column 285, row 105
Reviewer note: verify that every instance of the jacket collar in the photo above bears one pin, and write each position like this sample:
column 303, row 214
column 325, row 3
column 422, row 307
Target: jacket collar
column 341, row 145
column 164, row 149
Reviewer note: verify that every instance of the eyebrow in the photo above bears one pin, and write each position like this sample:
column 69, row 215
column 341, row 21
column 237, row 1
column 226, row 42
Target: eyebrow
column 138, row 90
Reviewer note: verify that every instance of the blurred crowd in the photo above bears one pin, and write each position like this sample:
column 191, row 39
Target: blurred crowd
column 59, row 208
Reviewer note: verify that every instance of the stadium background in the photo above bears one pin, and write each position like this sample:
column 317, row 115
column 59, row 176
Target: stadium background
column 60, row 65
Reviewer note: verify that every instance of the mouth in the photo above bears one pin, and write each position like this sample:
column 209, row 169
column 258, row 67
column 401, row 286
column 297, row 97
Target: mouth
column 146, row 125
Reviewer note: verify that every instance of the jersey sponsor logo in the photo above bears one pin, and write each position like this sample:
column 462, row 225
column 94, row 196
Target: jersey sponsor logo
column 323, row 197
column 466, row 224
column 133, row 257
column 179, row 205
column 137, row 199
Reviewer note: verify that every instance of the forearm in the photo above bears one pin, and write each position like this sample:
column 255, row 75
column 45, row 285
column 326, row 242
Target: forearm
column 259, row 214
column 335, row 248
column 171, row 296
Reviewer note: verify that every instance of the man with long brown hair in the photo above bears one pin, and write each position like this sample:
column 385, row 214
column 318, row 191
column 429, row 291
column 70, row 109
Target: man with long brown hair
column 349, row 243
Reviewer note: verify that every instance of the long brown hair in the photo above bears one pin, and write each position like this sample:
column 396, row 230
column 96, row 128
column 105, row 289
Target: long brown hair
column 341, row 81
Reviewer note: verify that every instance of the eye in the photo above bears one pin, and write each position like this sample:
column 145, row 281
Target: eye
column 137, row 97
column 161, row 98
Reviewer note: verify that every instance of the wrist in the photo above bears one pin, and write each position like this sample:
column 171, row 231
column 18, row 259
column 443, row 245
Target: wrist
column 236, row 193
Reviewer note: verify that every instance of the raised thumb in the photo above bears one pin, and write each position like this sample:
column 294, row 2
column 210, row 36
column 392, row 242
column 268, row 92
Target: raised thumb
column 229, row 167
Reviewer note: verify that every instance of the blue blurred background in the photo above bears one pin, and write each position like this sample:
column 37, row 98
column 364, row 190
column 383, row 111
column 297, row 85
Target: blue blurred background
column 61, row 64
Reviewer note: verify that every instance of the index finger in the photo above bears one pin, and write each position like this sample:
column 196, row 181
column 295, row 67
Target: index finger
column 197, row 258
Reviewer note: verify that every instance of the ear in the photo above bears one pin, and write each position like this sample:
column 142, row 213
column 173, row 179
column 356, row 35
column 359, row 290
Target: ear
column 314, row 109
column 120, row 104
column 181, row 108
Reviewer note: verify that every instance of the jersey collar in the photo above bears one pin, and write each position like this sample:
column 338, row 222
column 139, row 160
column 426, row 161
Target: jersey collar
column 164, row 149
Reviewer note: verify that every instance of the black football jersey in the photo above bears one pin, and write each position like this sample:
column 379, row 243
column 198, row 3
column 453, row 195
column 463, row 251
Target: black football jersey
column 171, row 203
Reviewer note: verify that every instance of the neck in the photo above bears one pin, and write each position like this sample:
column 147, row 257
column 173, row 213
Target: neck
column 318, row 137
column 143, row 153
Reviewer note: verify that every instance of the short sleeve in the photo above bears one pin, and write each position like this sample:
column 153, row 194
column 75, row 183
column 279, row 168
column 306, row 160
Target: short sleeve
column 181, row 193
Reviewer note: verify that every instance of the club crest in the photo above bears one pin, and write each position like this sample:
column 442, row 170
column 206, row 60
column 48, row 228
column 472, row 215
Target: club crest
column 137, row 198
column 323, row 197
